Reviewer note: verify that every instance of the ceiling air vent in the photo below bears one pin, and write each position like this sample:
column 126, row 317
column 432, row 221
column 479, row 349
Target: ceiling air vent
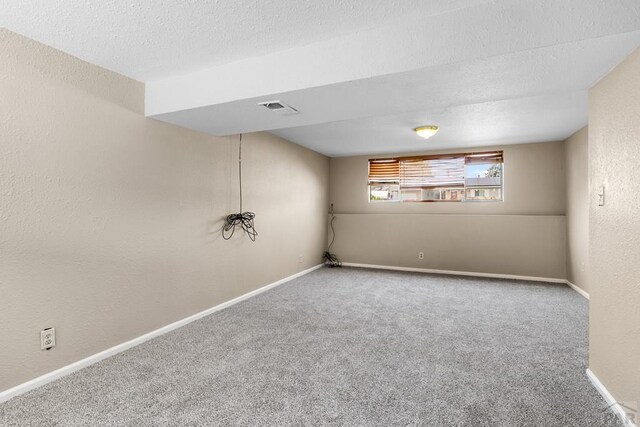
column 279, row 107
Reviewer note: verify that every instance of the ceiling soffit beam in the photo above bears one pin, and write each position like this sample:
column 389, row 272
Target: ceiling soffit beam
column 493, row 29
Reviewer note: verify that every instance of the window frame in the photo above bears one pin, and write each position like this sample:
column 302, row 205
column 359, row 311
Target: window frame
column 491, row 155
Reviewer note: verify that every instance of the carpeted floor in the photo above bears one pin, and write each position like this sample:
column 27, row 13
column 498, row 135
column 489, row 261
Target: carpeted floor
column 349, row 347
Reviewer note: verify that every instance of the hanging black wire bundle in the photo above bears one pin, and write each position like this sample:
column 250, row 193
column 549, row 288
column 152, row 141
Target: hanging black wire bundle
column 242, row 219
column 331, row 260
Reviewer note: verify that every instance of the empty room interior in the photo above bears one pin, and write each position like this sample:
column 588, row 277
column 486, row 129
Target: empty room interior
column 340, row 212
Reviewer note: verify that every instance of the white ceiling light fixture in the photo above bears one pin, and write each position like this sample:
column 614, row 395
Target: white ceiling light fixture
column 426, row 132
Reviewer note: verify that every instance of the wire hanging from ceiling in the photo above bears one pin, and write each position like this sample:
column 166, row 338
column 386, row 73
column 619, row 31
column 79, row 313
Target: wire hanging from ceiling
column 331, row 260
column 241, row 219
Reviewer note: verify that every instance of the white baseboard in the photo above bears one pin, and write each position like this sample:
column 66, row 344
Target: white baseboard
column 578, row 289
column 618, row 409
column 66, row 370
column 457, row 273
column 469, row 273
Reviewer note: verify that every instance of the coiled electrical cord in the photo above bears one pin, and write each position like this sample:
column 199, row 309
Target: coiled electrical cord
column 245, row 220
column 242, row 219
column 331, row 260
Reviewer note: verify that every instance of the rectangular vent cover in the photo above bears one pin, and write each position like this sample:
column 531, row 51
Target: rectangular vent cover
column 279, row 107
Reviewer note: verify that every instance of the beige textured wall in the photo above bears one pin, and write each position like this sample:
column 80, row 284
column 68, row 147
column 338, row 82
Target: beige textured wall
column 109, row 221
column 614, row 250
column 577, row 181
column 533, row 184
column 524, row 235
column 520, row 245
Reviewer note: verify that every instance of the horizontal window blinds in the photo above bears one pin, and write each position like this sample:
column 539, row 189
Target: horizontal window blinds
column 430, row 178
column 384, row 171
column 484, row 158
column 428, row 171
column 443, row 172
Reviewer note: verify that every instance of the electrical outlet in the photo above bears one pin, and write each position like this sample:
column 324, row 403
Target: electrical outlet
column 299, row 259
column 420, row 255
column 47, row 339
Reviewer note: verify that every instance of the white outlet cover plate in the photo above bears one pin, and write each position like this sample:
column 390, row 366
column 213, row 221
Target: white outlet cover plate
column 47, row 338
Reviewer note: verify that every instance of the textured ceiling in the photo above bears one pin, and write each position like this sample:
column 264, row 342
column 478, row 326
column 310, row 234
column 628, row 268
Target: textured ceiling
column 426, row 95
column 151, row 39
column 362, row 73
column 518, row 120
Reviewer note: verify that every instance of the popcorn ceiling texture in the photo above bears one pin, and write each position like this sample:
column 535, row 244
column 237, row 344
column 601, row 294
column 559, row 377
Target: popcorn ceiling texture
column 148, row 40
column 109, row 221
column 488, row 72
column 488, row 75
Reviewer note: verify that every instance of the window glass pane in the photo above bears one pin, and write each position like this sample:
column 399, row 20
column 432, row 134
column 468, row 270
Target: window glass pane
column 432, row 194
column 411, row 195
column 384, row 192
column 483, row 181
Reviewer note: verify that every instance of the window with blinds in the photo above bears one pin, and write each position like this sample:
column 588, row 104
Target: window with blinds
column 446, row 178
column 384, row 180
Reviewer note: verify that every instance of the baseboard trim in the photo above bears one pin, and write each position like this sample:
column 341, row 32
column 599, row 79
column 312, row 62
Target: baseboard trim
column 457, row 273
column 470, row 273
column 611, row 401
column 83, row 363
column 578, row 289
